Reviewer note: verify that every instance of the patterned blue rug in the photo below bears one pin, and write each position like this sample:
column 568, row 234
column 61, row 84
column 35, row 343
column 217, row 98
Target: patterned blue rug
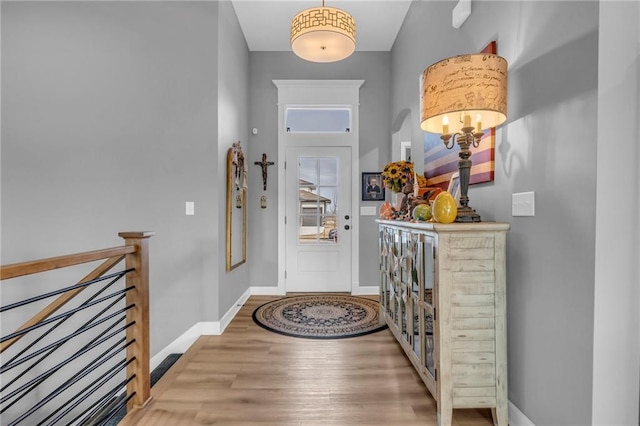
column 320, row 316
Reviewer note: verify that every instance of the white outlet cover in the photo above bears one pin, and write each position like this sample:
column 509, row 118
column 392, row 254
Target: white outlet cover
column 367, row 210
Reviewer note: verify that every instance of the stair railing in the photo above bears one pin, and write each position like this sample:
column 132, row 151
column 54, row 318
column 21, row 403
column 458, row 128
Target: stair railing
column 25, row 348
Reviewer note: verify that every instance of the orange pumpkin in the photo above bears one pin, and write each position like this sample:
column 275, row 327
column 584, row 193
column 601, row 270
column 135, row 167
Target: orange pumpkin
column 386, row 211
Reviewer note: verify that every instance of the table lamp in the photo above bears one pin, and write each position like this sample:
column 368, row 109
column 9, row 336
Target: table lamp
column 455, row 91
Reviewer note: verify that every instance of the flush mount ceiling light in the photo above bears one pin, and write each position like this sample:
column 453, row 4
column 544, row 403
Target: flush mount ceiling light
column 323, row 34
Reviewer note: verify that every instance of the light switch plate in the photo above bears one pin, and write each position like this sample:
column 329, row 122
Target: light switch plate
column 190, row 208
column 523, row 204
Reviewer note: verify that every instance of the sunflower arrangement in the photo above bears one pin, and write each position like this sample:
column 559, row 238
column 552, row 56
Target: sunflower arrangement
column 395, row 175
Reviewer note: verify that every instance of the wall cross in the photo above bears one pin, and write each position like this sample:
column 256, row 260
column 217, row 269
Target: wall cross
column 264, row 164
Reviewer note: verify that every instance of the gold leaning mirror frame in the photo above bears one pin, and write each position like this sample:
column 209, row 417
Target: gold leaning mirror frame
column 236, row 207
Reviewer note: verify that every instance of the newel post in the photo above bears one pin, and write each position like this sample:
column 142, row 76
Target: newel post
column 139, row 278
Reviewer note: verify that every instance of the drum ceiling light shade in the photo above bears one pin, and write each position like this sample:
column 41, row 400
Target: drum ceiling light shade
column 462, row 88
column 323, row 34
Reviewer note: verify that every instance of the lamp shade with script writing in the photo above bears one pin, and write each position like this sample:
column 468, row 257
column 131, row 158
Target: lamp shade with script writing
column 473, row 85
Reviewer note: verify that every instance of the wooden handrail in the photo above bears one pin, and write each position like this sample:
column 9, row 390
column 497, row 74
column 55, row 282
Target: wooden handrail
column 43, row 265
column 61, row 300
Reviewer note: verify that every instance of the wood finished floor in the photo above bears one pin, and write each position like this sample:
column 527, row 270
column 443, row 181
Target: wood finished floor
column 250, row 376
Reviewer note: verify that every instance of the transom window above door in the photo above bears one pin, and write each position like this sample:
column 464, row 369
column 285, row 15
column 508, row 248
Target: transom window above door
column 318, row 119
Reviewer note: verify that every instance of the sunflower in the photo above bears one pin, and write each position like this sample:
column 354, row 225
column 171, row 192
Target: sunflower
column 395, row 174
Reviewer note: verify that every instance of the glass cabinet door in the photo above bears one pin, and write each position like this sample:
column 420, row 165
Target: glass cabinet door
column 396, row 272
column 383, row 245
column 429, row 360
column 402, row 317
column 415, row 255
column 415, row 313
column 427, row 277
column 428, row 274
column 396, row 254
column 404, row 247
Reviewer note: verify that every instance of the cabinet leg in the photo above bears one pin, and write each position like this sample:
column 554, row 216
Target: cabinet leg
column 445, row 416
column 500, row 416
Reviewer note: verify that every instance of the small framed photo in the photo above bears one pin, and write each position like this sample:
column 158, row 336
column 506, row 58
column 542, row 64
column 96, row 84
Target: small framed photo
column 372, row 189
column 454, row 186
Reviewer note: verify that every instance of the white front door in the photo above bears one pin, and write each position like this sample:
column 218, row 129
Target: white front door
column 318, row 219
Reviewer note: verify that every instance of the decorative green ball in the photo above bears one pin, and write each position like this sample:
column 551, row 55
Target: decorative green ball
column 422, row 212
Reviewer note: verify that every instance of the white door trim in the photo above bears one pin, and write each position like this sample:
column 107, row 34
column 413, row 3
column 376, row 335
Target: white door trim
column 320, row 92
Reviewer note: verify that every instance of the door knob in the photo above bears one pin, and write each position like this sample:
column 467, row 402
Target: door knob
column 347, row 227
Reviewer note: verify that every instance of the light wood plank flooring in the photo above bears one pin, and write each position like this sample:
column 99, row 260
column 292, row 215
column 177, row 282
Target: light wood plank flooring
column 249, row 376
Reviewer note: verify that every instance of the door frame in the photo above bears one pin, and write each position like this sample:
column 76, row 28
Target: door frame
column 320, row 93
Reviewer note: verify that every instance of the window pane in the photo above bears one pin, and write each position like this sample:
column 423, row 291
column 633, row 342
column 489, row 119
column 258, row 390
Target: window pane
column 318, row 120
column 317, row 196
column 308, row 171
column 309, row 220
column 328, row 198
column 308, row 234
column 328, row 170
column 329, row 229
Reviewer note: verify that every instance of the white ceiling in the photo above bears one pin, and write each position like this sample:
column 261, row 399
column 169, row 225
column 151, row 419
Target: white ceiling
column 266, row 23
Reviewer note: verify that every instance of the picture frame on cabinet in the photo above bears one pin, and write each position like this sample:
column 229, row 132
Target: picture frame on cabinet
column 372, row 188
column 454, row 186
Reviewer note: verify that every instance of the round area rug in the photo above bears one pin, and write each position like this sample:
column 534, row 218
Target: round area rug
column 320, row 316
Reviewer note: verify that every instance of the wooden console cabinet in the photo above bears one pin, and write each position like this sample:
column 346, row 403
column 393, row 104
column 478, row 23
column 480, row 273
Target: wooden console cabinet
column 442, row 294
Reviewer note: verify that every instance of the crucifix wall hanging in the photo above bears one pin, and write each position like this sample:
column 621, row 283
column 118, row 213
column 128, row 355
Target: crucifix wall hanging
column 264, row 164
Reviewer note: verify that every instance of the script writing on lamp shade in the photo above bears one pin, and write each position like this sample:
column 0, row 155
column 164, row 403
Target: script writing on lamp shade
column 473, row 84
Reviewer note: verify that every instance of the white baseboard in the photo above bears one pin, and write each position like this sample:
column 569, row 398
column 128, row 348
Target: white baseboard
column 275, row 291
column 178, row 346
column 366, row 291
column 233, row 311
column 517, row 417
column 266, row 291
column 209, row 328
column 202, row 328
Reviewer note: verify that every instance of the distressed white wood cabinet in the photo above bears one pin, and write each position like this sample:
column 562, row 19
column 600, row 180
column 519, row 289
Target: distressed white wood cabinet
column 442, row 294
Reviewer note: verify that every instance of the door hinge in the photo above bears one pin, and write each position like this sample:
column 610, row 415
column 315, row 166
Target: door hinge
column 434, row 314
column 435, row 374
column 285, row 220
column 285, row 165
column 285, row 274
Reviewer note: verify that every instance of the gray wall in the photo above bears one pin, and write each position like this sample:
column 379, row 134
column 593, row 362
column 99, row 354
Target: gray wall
column 233, row 107
column 548, row 145
column 616, row 337
column 110, row 123
column 112, row 119
column 375, row 141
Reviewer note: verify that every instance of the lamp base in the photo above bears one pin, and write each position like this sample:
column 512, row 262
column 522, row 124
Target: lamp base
column 467, row 214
